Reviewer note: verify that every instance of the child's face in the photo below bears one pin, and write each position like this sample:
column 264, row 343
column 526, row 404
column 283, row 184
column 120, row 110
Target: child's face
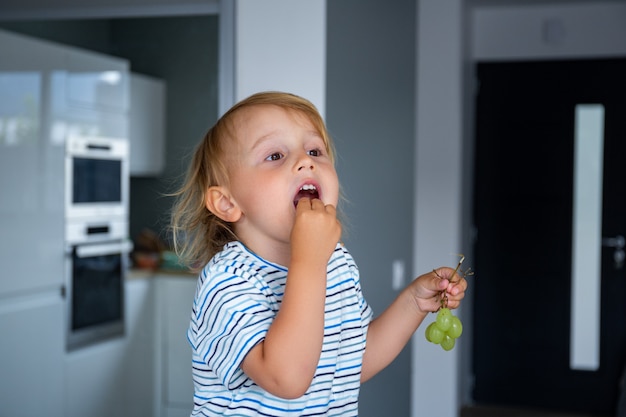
column 277, row 153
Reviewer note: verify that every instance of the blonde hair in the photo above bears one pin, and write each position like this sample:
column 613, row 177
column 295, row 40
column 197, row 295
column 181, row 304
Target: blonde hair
column 197, row 233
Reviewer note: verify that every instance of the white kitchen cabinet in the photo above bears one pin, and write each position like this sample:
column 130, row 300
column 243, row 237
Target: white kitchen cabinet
column 32, row 349
column 97, row 82
column 175, row 295
column 147, row 125
column 92, row 95
column 44, row 97
column 32, row 204
column 95, row 383
column 48, row 92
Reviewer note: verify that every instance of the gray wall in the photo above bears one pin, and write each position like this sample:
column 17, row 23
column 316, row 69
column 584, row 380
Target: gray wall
column 370, row 113
column 180, row 50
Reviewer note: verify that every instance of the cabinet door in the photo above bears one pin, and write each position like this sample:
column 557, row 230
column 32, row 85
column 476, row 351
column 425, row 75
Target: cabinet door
column 95, row 380
column 31, row 168
column 175, row 300
column 31, row 356
column 94, row 100
column 140, row 337
column 96, row 81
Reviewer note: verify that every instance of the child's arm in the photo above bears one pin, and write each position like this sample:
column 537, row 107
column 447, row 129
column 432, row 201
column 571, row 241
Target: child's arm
column 389, row 333
column 284, row 363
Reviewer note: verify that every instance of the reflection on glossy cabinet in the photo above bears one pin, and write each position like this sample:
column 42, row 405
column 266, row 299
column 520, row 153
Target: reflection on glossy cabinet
column 147, row 125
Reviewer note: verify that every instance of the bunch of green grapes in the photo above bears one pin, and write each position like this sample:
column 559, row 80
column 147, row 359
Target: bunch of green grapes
column 445, row 329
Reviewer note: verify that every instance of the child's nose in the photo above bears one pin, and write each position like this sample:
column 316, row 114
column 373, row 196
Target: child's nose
column 305, row 162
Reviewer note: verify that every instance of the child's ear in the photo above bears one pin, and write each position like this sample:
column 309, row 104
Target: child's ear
column 220, row 202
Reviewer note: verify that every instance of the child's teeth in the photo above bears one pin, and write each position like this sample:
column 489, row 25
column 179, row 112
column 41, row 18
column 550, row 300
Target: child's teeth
column 308, row 187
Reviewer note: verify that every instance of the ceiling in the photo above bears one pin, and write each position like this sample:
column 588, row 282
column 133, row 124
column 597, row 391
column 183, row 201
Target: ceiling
column 505, row 3
column 67, row 9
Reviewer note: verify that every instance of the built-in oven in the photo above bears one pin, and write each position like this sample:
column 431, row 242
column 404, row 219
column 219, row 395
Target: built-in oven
column 96, row 272
column 96, row 237
column 96, row 177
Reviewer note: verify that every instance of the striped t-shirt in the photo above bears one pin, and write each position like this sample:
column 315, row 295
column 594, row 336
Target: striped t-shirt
column 237, row 298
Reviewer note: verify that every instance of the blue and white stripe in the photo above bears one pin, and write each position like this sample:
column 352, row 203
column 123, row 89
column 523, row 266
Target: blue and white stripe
column 237, row 297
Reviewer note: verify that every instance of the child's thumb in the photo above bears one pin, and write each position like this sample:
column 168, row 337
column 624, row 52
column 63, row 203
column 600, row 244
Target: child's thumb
column 440, row 279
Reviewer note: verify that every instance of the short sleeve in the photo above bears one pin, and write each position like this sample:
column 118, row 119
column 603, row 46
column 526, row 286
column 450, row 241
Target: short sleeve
column 366, row 311
column 232, row 313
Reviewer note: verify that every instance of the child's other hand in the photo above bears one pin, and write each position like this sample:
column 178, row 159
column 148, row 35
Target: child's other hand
column 316, row 231
column 427, row 288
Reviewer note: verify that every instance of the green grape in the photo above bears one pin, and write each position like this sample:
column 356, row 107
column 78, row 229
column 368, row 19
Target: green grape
column 447, row 343
column 456, row 328
column 434, row 334
column 444, row 319
column 427, row 332
column 445, row 329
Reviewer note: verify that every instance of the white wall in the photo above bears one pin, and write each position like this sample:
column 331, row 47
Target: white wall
column 580, row 30
column 281, row 45
column 439, row 184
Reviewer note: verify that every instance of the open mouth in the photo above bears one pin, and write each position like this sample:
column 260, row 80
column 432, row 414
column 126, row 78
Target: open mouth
column 307, row 190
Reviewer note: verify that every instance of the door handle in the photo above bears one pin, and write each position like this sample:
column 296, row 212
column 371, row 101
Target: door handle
column 618, row 243
column 100, row 249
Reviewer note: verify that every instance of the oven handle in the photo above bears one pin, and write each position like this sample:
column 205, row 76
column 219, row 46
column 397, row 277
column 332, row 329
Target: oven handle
column 85, row 251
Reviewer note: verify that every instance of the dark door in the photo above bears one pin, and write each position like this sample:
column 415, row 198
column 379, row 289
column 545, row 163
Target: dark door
column 523, row 212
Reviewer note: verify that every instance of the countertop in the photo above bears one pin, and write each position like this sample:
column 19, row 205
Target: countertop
column 138, row 273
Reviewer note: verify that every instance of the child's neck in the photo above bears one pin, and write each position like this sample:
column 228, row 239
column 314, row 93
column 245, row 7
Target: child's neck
column 279, row 254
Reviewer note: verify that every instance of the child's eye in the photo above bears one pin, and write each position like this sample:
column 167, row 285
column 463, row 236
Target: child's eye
column 274, row 157
column 315, row 152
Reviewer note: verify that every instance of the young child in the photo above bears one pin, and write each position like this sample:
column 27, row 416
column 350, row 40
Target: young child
column 279, row 323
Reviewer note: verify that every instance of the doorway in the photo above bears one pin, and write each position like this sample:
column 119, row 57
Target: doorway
column 524, row 197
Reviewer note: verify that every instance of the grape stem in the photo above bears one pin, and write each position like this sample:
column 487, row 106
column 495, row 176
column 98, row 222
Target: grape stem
column 442, row 294
column 458, row 266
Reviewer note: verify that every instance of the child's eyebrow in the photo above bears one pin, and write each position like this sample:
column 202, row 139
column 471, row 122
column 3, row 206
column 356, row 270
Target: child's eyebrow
column 262, row 140
column 318, row 136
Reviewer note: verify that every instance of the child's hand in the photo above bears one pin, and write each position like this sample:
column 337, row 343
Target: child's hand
column 316, row 231
column 426, row 289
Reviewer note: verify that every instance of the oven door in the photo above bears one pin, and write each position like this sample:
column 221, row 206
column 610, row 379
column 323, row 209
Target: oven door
column 96, row 177
column 96, row 292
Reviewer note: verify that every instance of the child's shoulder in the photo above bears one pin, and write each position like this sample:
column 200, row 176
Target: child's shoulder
column 236, row 258
column 342, row 256
column 341, row 247
column 237, row 269
column 230, row 250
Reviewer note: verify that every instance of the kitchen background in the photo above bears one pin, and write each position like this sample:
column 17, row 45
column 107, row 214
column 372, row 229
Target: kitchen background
column 88, row 91
column 118, row 377
column 371, row 98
